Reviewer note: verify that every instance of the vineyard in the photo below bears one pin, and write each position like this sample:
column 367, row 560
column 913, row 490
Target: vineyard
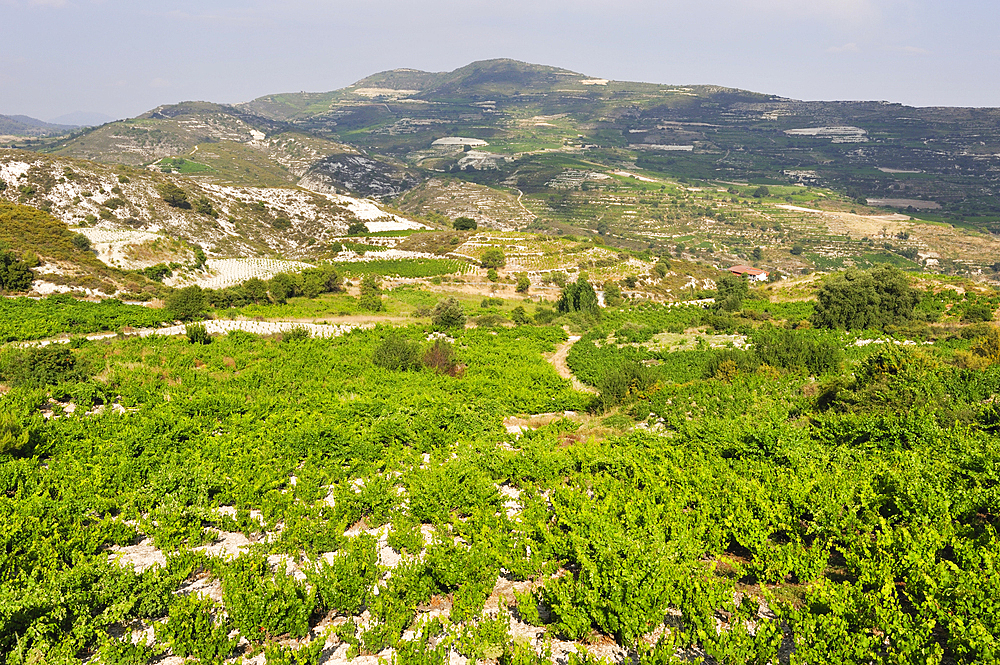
column 743, row 489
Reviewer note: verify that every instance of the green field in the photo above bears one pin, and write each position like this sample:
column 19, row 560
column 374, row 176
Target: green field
column 710, row 497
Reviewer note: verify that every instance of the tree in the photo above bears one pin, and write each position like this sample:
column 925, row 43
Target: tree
column 357, row 229
column 733, row 289
column 797, row 249
column 281, row 287
column 255, row 290
column 579, row 297
column 492, row 275
column 81, row 242
column 370, row 298
column 660, row 268
column 602, row 227
column 761, row 192
column 520, row 316
column 612, row 294
column 465, row 224
column 493, row 258
column 448, row 313
column 857, row 299
column 187, row 303
column 523, row 283
column 15, row 275
column 173, row 196
column 756, row 253
column 204, row 206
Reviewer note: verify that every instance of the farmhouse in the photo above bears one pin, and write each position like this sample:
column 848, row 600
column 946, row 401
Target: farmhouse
column 753, row 274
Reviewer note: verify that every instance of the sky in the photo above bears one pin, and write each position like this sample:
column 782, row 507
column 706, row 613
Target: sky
column 124, row 57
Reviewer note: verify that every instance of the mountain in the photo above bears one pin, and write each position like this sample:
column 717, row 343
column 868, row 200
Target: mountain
column 712, row 173
column 22, row 125
column 83, row 119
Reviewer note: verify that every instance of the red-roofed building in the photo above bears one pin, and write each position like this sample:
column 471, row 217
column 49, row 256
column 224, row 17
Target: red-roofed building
column 753, row 274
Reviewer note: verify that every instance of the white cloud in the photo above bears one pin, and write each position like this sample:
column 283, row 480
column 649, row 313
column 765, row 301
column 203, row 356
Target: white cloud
column 846, row 48
column 912, row 50
column 159, row 83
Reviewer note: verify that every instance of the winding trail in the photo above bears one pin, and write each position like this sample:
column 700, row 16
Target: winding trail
column 558, row 360
column 520, row 194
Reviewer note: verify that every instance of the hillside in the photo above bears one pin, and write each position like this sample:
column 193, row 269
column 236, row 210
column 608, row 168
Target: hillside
column 65, row 264
column 22, row 125
column 226, row 220
column 703, row 173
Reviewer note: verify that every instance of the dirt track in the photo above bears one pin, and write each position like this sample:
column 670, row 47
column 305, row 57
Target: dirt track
column 558, row 360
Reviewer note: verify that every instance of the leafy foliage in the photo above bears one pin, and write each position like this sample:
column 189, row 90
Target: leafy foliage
column 856, row 299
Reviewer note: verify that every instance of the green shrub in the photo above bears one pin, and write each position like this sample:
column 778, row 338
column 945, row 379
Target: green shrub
column 296, row 334
column 448, row 313
column 397, row 353
column 494, row 258
column 187, row 303
column 196, row 627
column 265, row 605
column 371, row 295
column 173, row 196
column 15, row 275
column 41, row 366
column 344, row 582
column 197, row 333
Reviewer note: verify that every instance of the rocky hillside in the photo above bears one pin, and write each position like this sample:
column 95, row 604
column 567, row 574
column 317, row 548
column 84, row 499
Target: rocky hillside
column 125, row 208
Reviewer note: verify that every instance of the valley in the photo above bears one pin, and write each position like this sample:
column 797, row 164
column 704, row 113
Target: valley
column 469, row 367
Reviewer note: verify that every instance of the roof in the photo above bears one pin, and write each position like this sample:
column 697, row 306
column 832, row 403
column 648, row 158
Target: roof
column 747, row 270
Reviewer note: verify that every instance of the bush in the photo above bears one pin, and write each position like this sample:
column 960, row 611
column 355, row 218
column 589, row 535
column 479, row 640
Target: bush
column 15, row 438
column 191, row 630
column 857, row 300
column 492, row 275
column 978, row 312
column 357, row 229
column 197, row 333
column 81, row 242
column 40, row 366
column 619, row 384
column 493, row 258
column 396, row 353
column 491, row 302
column 523, row 283
column 441, row 358
column 344, row 582
column 262, row 605
column 520, row 316
column 448, row 313
column 173, row 196
column 204, row 206
column 464, row 224
column 187, row 303
column 15, row 275
column 296, row 334
column 370, row 298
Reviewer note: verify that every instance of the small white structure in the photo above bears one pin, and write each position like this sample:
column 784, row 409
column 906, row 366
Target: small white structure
column 753, row 274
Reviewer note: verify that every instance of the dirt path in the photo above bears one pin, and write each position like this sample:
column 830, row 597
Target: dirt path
column 558, row 360
column 520, row 195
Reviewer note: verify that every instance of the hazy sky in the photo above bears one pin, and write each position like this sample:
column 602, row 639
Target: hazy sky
column 123, row 57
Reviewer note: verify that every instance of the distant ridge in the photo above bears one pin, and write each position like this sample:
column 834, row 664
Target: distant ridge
column 83, row 119
column 22, row 125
